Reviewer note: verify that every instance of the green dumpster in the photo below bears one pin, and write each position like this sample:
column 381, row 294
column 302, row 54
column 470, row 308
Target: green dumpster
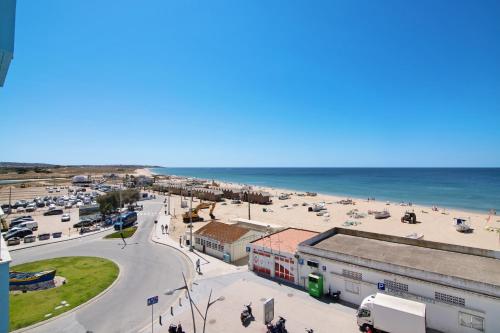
column 315, row 285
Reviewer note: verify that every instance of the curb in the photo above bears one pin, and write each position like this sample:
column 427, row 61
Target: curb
column 60, row 241
column 64, row 314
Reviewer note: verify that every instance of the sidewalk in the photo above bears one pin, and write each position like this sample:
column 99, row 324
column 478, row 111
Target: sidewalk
column 210, row 266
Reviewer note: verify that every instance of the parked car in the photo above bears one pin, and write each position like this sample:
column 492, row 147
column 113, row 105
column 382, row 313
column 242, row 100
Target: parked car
column 68, row 205
column 18, row 232
column 20, row 209
column 65, row 218
column 83, row 223
column 53, row 212
column 32, row 225
column 40, row 204
column 31, row 207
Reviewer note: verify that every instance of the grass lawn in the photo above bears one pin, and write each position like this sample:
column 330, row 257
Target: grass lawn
column 127, row 232
column 85, row 277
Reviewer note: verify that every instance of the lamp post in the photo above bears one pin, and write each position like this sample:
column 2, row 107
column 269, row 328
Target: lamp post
column 209, row 304
column 170, row 292
column 191, row 303
column 191, row 221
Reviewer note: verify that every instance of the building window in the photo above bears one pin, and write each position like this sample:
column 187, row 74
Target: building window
column 352, row 275
column 445, row 298
column 312, row 264
column 197, row 241
column 472, row 321
column 396, row 286
column 352, row 287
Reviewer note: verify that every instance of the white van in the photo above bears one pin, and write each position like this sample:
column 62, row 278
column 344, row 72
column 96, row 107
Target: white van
column 32, row 225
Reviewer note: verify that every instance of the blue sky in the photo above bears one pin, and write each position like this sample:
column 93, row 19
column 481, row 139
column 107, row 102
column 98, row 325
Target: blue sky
column 254, row 83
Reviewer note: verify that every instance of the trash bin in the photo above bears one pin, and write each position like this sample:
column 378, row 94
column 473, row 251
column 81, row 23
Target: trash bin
column 315, row 285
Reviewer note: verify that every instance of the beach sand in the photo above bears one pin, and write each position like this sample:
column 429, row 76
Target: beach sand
column 434, row 225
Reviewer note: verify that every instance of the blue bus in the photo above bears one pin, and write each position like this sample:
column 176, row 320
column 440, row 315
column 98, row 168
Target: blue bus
column 126, row 220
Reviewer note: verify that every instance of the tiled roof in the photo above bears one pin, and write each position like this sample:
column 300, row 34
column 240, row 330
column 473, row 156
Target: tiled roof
column 224, row 233
column 285, row 240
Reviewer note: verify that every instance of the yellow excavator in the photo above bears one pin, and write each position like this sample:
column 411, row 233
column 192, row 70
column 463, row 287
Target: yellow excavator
column 194, row 213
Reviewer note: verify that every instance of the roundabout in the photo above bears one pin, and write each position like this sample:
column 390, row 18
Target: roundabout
column 85, row 278
column 145, row 269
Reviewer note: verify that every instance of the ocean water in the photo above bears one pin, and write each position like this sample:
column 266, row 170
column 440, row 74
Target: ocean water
column 476, row 189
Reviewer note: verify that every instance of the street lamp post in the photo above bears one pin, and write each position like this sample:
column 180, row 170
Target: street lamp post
column 170, row 292
column 209, row 304
column 191, row 221
column 191, row 303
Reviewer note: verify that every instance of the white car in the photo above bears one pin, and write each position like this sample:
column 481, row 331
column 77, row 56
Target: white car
column 65, row 218
column 20, row 209
column 68, row 205
column 79, row 203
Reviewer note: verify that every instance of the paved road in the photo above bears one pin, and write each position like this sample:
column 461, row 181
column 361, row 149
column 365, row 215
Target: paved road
column 147, row 269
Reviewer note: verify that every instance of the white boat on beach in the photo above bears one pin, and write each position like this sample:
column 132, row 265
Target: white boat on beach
column 415, row 236
column 382, row 215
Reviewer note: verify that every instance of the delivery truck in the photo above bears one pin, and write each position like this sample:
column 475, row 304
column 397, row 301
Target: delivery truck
column 382, row 312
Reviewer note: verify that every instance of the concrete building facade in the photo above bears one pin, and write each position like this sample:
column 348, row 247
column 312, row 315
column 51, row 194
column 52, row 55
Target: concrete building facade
column 7, row 28
column 459, row 285
column 224, row 241
column 274, row 255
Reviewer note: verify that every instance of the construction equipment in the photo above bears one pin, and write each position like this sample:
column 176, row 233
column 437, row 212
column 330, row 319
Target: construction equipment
column 194, row 213
column 411, row 218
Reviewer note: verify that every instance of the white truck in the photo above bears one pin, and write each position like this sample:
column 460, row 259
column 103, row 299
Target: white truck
column 391, row 314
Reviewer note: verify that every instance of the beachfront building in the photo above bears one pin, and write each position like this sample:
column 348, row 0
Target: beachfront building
column 4, row 283
column 81, row 180
column 7, row 28
column 459, row 285
column 224, row 241
column 274, row 255
column 257, row 197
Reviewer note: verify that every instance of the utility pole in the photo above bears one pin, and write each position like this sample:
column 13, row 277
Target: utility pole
column 191, row 222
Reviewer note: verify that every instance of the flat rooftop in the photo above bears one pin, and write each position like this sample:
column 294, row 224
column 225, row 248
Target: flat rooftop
column 440, row 258
column 285, row 240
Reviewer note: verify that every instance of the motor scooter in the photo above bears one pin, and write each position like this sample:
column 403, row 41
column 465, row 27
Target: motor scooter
column 246, row 313
column 279, row 327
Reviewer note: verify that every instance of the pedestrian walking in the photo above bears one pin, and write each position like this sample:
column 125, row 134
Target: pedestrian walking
column 180, row 241
column 162, row 229
column 166, row 229
column 198, row 266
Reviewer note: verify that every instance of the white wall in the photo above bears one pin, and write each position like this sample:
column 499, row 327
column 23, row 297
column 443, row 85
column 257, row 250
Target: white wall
column 440, row 316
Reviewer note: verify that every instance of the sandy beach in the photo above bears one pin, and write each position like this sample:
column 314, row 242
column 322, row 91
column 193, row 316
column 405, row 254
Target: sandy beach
column 434, row 225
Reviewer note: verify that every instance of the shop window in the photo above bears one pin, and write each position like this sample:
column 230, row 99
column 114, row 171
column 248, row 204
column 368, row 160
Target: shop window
column 471, row 321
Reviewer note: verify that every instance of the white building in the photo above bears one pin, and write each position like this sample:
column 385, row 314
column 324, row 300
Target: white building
column 274, row 255
column 460, row 285
column 224, row 241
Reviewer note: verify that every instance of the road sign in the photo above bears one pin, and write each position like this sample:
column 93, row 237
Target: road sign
column 152, row 300
column 268, row 310
column 381, row 286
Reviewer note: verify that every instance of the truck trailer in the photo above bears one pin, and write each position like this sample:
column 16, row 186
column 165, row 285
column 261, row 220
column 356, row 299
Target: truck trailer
column 382, row 312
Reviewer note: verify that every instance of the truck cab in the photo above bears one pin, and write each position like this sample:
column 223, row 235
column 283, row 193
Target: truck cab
column 364, row 314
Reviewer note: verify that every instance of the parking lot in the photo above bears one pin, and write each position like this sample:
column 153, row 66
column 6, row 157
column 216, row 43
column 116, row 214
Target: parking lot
column 36, row 202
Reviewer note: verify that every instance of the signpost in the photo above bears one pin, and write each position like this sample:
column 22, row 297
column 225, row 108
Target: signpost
column 268, row 310
column 151, row 302
column 381, row 286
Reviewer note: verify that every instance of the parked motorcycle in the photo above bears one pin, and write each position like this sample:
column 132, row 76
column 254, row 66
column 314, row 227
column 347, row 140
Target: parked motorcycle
column 175, row 328
column 246, row 314
column 309, row 330
column 279, row 327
